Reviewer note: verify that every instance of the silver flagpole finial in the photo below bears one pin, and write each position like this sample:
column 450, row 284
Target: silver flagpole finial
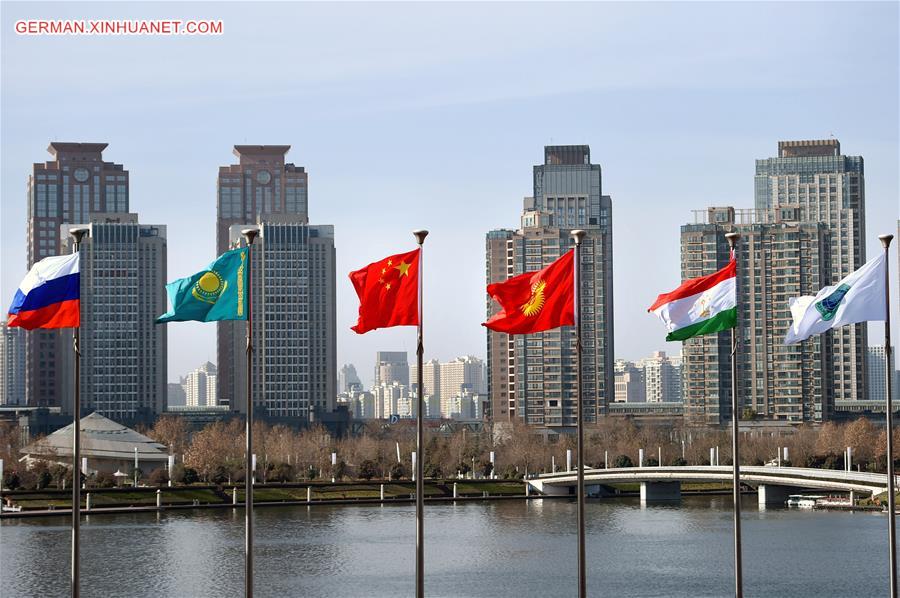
column 250, row 234
column 732, row 239
column 420, row 235
column 885, row 240
column 78, row 233
column 578, row 236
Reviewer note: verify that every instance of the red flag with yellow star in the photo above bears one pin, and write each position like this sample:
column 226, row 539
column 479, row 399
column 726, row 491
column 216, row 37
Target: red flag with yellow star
column 388, row 292
column 536, row 301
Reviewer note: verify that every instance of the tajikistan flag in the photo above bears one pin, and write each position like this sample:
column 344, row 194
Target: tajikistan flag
column 700, row 305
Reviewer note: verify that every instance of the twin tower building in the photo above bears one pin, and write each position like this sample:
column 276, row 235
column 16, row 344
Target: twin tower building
column 805, row 230
column 123, row 277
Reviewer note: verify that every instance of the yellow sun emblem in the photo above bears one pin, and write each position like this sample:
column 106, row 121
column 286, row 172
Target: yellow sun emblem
column 210, row 286
column 535, row 303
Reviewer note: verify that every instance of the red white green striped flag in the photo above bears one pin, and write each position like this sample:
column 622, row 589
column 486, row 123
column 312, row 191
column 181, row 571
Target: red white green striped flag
column 700, row 306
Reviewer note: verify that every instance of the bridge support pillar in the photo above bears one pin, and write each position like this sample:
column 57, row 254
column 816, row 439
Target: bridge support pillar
column 660, row 491
column 770, row 496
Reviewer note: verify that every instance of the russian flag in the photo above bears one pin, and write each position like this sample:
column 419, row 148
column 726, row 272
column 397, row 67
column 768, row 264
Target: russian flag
column 49, row 297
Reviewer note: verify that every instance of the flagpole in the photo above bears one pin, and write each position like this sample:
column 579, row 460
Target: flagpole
column 578, row 236
column 889, row 415
column 249, row 234
column 735, row 453
column 420, row 437
column 77, row 234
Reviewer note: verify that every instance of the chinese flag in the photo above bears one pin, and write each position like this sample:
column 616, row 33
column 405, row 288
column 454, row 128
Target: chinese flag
column 388, row 292
column 536, row 301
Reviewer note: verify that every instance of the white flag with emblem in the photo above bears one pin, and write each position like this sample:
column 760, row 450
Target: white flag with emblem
column 857, row 298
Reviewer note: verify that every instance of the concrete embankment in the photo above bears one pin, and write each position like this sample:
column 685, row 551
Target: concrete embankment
column 40, row 503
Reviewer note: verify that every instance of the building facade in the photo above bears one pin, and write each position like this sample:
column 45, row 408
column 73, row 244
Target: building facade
column 460, row 375
column 390, row 367
column 71, row 187
column 200, row 386
column 823, row 185
column 431, row 380
column 532, row 377
column 662, row 378
column 389, row 399
column 876, row 373
column 294, row 371
column 629, row 382
column 348, row 379
column 262, row 183
column 12, row 360
column 175, row 394
column 779, row 257
column 361, row 404
column 123, row 350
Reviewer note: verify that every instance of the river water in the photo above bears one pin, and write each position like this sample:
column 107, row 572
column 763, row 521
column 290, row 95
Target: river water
column 484, row 549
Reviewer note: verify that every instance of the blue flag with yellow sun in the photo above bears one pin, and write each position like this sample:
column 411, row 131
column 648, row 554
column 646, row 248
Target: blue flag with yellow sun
column 217, row 293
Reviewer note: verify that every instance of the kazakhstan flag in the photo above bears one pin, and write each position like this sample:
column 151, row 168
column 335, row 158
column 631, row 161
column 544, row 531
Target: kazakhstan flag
column 217, row 293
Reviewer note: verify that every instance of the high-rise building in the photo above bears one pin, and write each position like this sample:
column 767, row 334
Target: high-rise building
column 465, row 406
column 390, row 367
column 814, row 179
column 876, row 366
column 389, row 398
column 12, row 362
column 462, row 373
column 260, row 184
column 532, row 377
column 200, row 386
column 431, row 379
column 348, row 379
column 662, row 378
column 123, row 350
column 779, row 257
column 361, row 404
column 501, row 361
column 175, row 394
column 629, row 382
column 70, row 188
column 294, row 334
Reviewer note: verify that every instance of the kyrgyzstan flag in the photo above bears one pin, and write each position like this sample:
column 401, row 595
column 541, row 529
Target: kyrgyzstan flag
column 388, row 292
column 536, row 301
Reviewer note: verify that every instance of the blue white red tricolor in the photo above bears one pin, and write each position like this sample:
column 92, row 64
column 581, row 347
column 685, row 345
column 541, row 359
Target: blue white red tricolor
column 49, row 296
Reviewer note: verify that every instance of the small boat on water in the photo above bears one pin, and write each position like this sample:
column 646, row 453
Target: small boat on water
column 834, row 502
column 803, row 501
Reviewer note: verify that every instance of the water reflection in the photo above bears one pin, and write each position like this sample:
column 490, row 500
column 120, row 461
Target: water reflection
column 495, row 549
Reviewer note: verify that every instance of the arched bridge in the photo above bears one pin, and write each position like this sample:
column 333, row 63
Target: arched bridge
column 774, row 484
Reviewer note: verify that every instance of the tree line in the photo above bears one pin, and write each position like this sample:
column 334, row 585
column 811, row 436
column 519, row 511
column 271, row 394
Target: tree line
column 215, row 454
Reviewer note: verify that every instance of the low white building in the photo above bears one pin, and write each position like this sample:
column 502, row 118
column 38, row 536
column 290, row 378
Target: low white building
column 106, row 445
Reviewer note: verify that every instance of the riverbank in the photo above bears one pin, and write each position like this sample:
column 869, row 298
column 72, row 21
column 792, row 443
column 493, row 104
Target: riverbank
column 52, row 502
column 118, row 500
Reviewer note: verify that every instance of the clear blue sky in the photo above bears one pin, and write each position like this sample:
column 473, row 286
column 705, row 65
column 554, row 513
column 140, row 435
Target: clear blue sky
column 432, row 115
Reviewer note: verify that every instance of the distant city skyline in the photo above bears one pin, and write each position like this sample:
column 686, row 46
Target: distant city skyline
column 444, row 137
